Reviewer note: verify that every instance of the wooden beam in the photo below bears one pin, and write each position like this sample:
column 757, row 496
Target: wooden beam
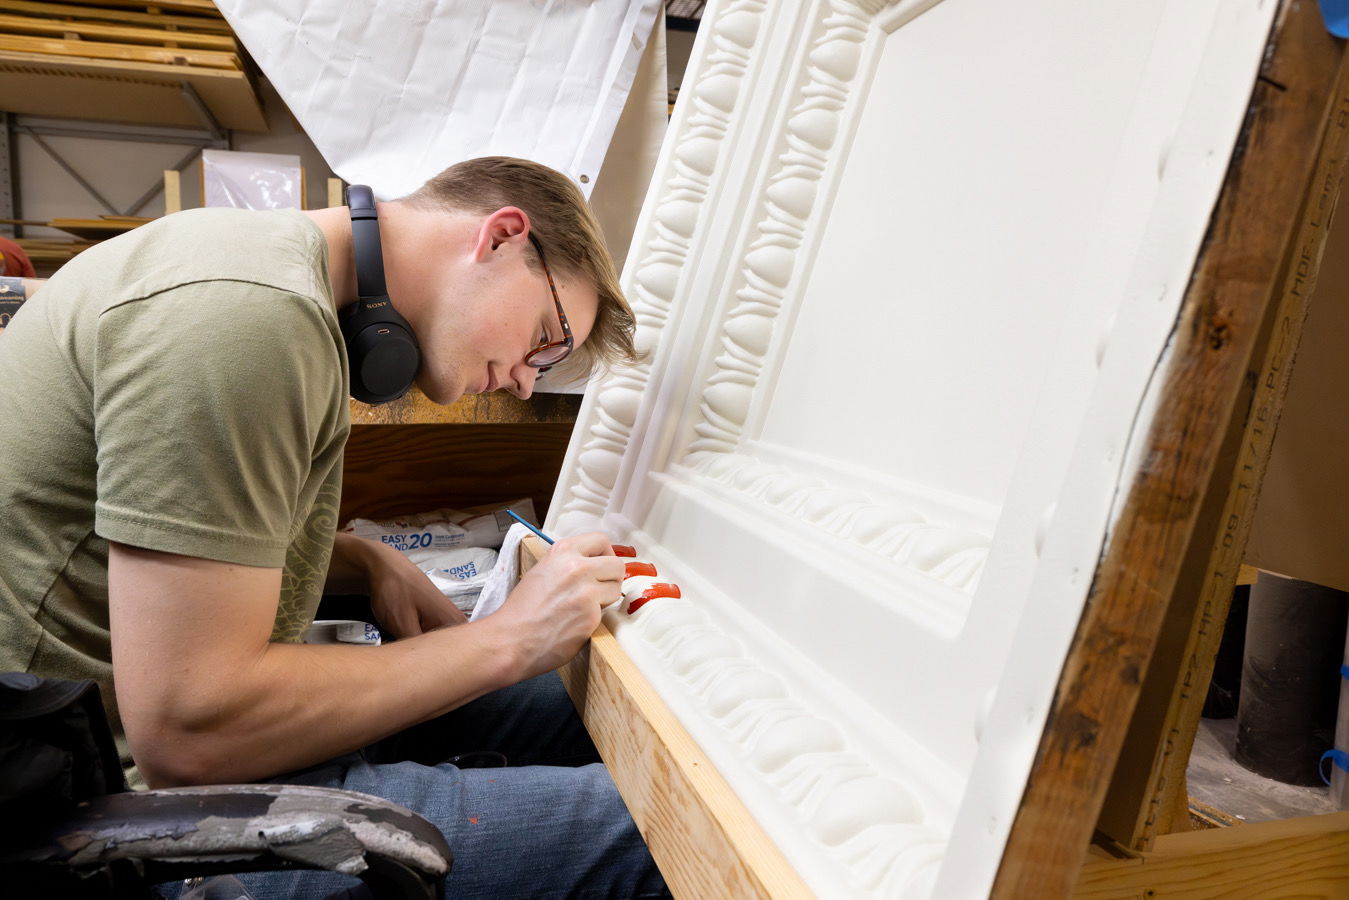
column 496, row 407
column 204, row 7
column 125, row 34
column 205, row 59
column 99, row 229
column 66, row 12
column 1304, row 857
column 173, row 191
column 1190, row 451
column 415, row 468
column 42, row 251
column 1148, row 793
column 43, row 84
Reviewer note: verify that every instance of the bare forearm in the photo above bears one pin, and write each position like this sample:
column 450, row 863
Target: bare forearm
column 297, row 705
column 204, row 696
column 21, row 288
column 348, row 564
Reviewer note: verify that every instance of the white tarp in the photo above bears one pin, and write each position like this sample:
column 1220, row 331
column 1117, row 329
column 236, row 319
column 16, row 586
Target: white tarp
column 393, row 91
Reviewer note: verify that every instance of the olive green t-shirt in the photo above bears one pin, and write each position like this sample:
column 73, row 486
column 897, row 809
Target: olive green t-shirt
column 180, row 388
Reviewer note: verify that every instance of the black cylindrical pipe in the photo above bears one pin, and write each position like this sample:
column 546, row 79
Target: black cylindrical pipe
column 1294, row 638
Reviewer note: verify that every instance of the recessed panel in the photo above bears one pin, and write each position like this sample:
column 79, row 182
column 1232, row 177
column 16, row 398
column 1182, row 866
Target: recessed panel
column 952, row 247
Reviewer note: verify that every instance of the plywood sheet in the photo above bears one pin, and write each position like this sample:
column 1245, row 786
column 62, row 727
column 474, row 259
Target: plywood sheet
column 43, row 84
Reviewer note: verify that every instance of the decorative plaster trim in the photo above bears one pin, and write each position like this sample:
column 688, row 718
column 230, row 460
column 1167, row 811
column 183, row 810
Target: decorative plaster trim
column 863, row 831
column 659, row 261
column 904, row 535
column 914, row 537
column 804, row 166
column 866, row 831
column 774, row 734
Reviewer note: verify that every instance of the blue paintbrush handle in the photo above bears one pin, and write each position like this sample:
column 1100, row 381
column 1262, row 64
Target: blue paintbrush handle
column 512, row 514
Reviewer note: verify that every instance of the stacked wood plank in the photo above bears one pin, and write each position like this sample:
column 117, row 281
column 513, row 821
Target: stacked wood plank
column 49, row 255
column 100, row 228
column 118, row 60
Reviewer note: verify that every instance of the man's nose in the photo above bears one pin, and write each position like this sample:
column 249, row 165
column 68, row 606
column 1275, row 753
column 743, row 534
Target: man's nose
column 524, row 381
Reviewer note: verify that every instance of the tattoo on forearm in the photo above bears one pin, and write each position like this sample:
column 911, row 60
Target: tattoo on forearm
column 12, row 294
column 12, row 289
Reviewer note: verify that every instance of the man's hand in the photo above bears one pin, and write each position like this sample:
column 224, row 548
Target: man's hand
column 403, row 599
column 556, row 606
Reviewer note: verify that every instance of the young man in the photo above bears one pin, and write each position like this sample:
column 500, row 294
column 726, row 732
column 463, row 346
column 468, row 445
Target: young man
column 173, row 419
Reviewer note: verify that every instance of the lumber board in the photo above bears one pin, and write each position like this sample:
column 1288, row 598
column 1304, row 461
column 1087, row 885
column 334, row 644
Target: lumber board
column 1207, row 816
column 38, row 245
column 203, row 7
column 159, row 37
column 703, row 839
column 1148, row 794
column 498, row 406
column 42, row 84
column 717, row 848
column 180, row 56
column 1191, row 450
column 50, row 251
column 1303, row 857
column 415, row 468
column 96, row 229
column 69, row 12
column 173, row 191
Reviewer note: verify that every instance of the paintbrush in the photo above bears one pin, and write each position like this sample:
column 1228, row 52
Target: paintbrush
column 521, row 520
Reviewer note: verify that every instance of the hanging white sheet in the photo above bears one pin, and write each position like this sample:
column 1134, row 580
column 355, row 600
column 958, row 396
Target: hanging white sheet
column 393, row 92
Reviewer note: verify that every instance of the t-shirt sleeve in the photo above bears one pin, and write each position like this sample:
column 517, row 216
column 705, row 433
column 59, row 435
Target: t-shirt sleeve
column 210, row 403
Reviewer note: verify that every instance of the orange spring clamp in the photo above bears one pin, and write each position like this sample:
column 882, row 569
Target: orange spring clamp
column 651, row 593
column 638, row 568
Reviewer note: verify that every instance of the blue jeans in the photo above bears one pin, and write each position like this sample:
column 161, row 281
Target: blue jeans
column 550, row 824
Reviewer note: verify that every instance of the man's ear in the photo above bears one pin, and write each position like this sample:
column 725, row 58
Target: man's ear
column 508, row 225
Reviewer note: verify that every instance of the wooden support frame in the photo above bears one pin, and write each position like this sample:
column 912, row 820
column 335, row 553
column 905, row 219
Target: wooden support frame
column 1303, row 857
column 1132, row 684
column 1147, row 801
column 1176, row 550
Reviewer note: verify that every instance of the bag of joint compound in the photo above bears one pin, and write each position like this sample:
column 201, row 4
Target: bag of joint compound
column 459, row 574
column 454, row 548
column 444, row 529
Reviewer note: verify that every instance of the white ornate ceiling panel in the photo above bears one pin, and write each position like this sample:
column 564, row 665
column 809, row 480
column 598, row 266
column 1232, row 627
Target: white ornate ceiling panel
column 904, row 277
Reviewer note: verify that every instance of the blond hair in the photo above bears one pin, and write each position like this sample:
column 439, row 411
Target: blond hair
column 562, row 221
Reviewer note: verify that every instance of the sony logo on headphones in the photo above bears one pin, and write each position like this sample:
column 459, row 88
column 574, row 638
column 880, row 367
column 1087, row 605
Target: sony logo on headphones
column 377, row 305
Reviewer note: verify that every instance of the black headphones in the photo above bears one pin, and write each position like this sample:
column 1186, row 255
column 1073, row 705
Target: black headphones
column 382, row 351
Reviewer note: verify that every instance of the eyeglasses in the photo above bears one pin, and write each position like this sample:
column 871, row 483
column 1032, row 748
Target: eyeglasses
column 550, row 353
